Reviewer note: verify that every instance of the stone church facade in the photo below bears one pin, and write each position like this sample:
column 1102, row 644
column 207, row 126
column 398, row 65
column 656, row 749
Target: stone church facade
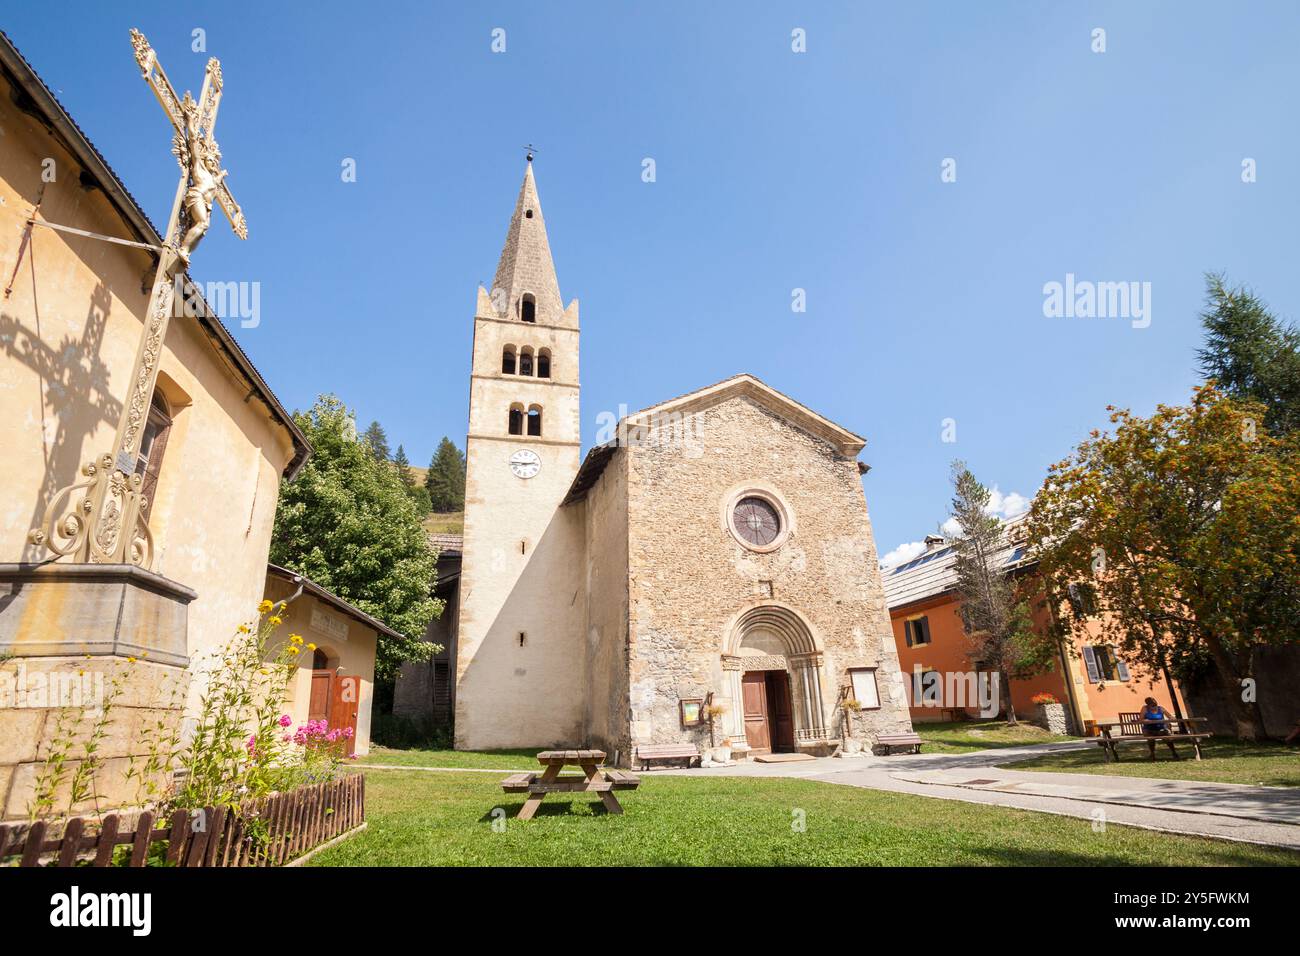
column 717, row 551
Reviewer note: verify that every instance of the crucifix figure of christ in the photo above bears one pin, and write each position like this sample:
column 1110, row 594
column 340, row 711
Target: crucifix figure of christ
column 104, row 519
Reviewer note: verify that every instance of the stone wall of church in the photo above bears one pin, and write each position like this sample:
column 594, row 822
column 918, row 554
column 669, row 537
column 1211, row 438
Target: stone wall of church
column 607, row 607
column 689, row 577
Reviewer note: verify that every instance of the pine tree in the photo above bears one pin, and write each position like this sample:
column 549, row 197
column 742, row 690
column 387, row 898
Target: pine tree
column 376, row 440
column 404, row 467
column 1251, row 354
column 997, row 624
column 446, row 478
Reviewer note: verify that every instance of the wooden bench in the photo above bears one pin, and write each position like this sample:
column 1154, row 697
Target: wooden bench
column 890, row 741
column 665, row 753
column 1129, row 730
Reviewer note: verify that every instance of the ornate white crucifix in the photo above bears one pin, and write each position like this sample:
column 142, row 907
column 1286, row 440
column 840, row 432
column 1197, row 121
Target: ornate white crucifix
column 108, row 523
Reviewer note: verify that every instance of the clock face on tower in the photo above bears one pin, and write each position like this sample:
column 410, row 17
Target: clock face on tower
column 525, row 464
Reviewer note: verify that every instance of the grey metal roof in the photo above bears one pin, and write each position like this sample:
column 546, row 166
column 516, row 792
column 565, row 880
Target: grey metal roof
column 935, row 572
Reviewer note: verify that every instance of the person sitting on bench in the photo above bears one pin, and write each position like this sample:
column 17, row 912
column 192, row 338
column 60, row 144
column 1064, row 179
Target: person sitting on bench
column 1155, row 723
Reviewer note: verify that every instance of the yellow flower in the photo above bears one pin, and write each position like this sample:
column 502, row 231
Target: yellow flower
column 131, row 660
column 274, row 621
column 263, row 671
column 264, row 607
column 243, row 629
column 311, row 647
column 295, row 638
column 297, row 650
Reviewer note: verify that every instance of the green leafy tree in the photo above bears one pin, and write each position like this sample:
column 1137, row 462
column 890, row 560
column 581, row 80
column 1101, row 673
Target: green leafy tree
column 347, row 522
column 996, row 621
column 446, row 478
column 420, row 495
column 376, row 439
column 1250, row 354
column 1186, row 528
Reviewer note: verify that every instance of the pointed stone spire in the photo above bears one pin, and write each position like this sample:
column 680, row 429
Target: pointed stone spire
column 526, row 267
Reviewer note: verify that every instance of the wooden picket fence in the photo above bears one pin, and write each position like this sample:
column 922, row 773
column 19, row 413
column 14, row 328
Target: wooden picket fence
column 268, row 831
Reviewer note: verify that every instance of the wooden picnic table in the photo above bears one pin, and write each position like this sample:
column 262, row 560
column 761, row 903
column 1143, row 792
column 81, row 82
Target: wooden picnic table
column 1130, row 730
column 592, row 781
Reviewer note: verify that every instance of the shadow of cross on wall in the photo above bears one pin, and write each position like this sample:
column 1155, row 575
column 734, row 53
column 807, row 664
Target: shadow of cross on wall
column 74, row 398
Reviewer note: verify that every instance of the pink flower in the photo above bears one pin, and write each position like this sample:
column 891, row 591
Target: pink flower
column 252, row 745
column 286, row 720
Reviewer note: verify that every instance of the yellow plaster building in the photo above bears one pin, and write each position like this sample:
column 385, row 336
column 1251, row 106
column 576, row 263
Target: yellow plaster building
column 217, row 447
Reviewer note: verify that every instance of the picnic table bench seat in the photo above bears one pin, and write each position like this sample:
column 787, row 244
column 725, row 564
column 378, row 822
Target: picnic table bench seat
column 518, row 783
column 889, row 741
column 647, row 754
column 622, row 779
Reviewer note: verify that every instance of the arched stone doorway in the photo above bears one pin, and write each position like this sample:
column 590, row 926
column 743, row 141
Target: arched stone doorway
column 772, row 665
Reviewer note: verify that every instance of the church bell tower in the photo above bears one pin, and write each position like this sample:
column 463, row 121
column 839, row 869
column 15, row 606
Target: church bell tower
column 519, row 638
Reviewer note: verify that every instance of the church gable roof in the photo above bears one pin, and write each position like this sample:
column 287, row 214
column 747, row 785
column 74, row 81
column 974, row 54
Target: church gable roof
column 847, row 443
column 747, row 386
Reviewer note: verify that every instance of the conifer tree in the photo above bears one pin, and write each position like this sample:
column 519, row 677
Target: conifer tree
column 446, row 478
column 1251, row 355
column 376, row 440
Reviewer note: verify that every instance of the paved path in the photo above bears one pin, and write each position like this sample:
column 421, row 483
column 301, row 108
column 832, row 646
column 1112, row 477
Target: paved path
column 1267, row 815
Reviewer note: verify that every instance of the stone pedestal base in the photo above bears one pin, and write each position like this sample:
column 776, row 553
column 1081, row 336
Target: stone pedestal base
column 92, row 651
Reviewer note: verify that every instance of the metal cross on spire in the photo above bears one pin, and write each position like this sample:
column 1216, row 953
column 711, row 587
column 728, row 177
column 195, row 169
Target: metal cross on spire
column 531, row 150
column 107, row 523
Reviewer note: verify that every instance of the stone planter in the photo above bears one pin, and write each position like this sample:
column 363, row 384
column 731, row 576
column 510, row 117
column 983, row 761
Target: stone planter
column 721, row 754
column 1051, row 717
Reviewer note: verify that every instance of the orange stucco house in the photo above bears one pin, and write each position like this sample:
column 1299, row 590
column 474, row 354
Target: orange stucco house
column 1090, row 681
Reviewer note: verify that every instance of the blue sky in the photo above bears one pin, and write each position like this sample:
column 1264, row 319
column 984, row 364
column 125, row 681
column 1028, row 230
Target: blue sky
column 775, row 170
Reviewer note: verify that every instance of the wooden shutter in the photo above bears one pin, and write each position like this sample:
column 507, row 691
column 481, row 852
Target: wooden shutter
column 923, row 626
column 907, row 632
column 1121, row 669
column 149, row 480
column 1090, row 662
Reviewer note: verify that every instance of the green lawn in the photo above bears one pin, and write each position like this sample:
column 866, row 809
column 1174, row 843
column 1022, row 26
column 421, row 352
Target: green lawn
column 1266, row 764
column 525, row 759
column 966, row 735
column 446, row 819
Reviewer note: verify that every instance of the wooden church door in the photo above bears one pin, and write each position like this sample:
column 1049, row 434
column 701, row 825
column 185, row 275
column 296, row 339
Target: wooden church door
column 757, row 732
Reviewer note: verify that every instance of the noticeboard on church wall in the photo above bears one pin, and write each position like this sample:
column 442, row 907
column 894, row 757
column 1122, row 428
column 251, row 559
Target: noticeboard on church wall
column 692, row 711
column 865, row 691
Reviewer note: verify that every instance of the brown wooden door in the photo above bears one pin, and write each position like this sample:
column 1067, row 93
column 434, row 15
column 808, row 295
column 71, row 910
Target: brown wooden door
column 344, row 705
column 780, row 717
column 318, row 706
column 754, row 691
